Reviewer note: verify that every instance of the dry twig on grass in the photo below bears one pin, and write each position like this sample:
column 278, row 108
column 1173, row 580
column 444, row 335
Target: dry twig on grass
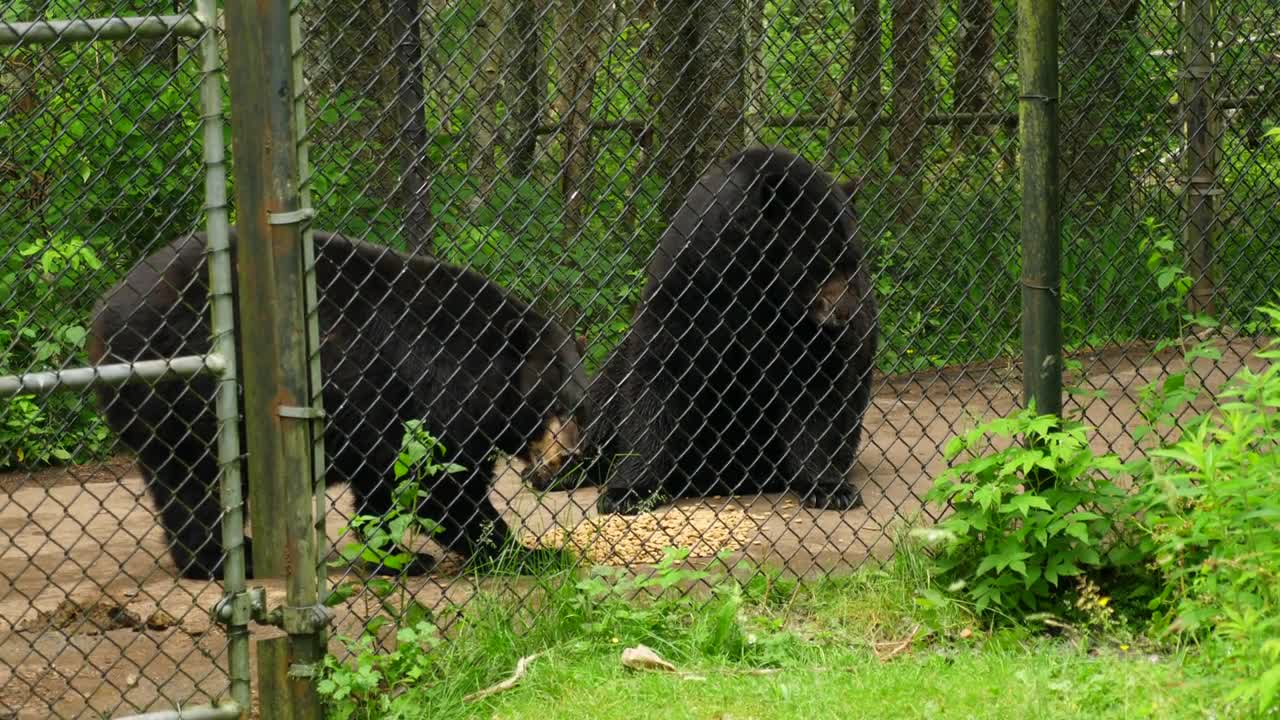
column 522, row 667
column 887, row 650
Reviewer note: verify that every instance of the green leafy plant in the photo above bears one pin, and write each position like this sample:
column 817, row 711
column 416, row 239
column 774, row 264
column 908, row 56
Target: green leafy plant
column 1209, row 503
column 382, row 537
column 1032, row 505
column 39, row 334
column 610, row 606
column 1164, row 261
column 376, row 677
column 1196, row 536
column 606, row 591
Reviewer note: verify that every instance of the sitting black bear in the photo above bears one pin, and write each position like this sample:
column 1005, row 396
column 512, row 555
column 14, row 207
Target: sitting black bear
column 403, row 338
column 748, row 365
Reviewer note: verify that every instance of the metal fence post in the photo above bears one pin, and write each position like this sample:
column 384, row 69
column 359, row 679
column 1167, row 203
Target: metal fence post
column 235, row 608
column 223, row 324
column 1201, row 165
column 281, row 411
column 1041, row 239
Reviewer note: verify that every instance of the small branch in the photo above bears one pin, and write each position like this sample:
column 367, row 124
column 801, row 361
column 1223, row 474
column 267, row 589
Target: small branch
column 522, row 667
column 887, row 650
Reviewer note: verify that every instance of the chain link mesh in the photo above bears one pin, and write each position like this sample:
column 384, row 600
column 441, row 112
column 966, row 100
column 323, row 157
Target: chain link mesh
column 100, row 163
column 547, row 146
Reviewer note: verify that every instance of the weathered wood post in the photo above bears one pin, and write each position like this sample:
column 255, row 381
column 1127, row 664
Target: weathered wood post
column 1041, row 240
column 1201, row 156
column 280, row 375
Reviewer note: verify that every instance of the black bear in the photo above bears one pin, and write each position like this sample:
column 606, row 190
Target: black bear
column 748, row 364
column 402, row 338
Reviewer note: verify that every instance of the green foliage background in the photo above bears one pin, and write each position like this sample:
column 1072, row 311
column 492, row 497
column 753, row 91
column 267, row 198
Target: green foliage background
column 100, row 149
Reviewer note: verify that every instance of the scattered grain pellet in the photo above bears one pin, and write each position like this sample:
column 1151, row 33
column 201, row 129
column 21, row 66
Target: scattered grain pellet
column 623, row 540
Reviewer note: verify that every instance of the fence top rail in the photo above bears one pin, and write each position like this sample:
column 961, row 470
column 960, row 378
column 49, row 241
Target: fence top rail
column 228, row 711
column 116, row 28
column 113, row 374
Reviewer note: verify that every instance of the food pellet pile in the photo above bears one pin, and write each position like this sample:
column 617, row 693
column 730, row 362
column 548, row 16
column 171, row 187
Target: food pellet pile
column 624, row 540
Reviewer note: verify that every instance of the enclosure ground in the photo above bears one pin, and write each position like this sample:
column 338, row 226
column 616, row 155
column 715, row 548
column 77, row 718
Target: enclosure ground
column 93, row 621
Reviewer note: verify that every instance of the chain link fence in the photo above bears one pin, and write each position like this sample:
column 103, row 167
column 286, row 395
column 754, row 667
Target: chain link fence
column 560, row 152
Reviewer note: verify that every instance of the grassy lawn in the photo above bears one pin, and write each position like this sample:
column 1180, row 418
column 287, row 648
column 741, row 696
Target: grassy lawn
column 877, row 643
column 1037, row 679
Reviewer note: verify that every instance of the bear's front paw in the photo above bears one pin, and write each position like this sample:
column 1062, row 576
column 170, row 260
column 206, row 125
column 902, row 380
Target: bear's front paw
column 834, row 497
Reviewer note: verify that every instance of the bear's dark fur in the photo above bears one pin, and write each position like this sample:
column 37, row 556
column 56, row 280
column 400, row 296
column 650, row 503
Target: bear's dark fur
column 402, row 338
column 748, row 365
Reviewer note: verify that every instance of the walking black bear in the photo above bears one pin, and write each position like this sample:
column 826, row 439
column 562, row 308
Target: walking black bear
column 402, row 338
column 748, row 365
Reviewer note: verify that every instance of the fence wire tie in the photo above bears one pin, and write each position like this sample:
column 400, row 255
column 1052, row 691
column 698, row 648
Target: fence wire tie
column 1040, row 98
column 296, row 412
column 291, row 217
column 1036, row 286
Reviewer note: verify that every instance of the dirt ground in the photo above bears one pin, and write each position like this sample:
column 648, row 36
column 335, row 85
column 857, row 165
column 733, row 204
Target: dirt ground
column 93, row 623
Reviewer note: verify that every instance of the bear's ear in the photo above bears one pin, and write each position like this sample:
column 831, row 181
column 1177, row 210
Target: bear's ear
column 776, row 195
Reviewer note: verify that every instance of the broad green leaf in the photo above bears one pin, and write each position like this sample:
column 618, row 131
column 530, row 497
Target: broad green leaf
column 1079, row 531
column 1025, row 502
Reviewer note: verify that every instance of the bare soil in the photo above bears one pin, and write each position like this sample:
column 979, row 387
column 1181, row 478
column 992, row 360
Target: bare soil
column 94, row 623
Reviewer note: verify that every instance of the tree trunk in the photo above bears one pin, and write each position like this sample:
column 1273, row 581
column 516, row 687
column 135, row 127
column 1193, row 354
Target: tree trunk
column 723, row 49
column 1200, row 158
column 975, row 52
column 578, row 59
column 1094, row 77
column 525, row 84
column 868, row 61
column 912, row 98
column 484, row 124
column 344, row 61
column 645, row 11
column 699, row 82
column 414, row 186
column 676, row 160
column 861, row 90
column 754, row 33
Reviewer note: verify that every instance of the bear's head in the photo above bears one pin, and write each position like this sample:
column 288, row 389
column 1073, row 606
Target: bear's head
column 804, row 225
column 551, row 386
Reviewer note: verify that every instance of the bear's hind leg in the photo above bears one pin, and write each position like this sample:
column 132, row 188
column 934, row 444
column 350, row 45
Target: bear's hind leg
column 817, row 457
column 187, row 497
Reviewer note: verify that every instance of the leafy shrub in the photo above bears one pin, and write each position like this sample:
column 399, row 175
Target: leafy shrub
column 37, row 279
column 382, row 535
column 1028, row 514
column 1203, row 513
column 1209, row 503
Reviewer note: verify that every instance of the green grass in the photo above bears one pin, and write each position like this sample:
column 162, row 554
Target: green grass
column 1040, row 678
column 770, row 648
